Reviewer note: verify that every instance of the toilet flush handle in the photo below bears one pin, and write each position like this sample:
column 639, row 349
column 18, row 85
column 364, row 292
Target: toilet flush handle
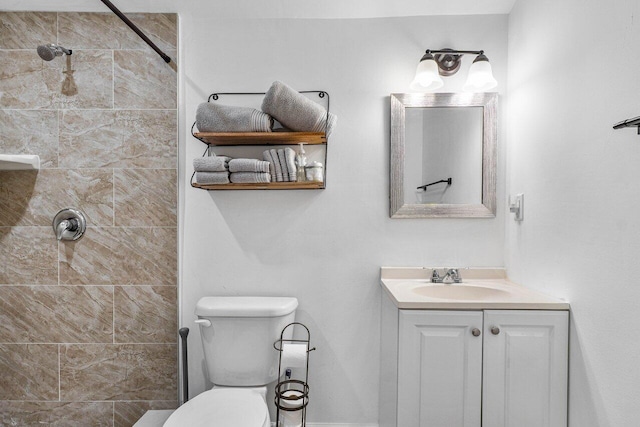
column 205, row 323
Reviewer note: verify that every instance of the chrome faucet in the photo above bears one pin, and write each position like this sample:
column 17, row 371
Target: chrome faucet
column 451, row 275
column 69, row 224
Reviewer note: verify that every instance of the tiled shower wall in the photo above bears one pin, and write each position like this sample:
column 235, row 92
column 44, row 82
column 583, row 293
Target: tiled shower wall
column 88, row 329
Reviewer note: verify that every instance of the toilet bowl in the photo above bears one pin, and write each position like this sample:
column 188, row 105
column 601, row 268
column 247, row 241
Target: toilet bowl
column 237, row 335
column 224, row 407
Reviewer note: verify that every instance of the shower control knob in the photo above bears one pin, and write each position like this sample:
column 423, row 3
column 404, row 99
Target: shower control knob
column 495, row 330
column 475, row 332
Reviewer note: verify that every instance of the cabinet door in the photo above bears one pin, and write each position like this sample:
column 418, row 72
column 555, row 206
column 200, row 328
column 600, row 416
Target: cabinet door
column 439, row 369
column 525, row 369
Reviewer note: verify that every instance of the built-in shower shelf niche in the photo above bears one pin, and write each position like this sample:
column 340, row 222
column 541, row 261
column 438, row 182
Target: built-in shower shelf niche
column 13, row 162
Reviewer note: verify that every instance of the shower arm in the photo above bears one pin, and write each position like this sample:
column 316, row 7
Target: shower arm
column 137, row 30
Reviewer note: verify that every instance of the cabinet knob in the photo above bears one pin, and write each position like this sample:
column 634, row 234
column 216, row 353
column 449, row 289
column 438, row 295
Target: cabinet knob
column 495, row 330
column 475, row 332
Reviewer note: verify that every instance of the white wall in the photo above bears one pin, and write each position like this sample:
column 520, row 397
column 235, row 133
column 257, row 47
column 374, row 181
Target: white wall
column 573, row 73
column 325, row 247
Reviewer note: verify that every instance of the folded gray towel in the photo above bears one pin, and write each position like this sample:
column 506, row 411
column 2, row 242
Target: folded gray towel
column 295, row 111
column 212, row 117
column 212, row 177
column 290, row 157
column 266, row 155
column 277, row 165
column 248, row 165
column 211, row 164
column 283, row 164
column 250, row 177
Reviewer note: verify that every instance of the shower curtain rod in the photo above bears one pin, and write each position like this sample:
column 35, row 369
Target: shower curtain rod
column 137, row 30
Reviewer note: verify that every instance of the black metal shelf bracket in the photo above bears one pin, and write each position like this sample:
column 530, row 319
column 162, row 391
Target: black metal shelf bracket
column 634, row 122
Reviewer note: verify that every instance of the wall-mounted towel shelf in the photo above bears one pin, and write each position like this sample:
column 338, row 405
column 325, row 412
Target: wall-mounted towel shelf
column 279, row 137
column 635, row 122
column 12, row 162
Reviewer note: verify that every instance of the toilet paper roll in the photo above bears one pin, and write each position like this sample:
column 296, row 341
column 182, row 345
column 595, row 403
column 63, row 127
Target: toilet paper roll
column 294, row 355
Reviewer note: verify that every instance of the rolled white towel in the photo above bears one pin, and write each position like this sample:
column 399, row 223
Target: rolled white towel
column 250, row 177
column 212, row 177
column 276, row 163
column 290, row 156
column 213, row 117
column 266, row 155
column 248, row 165
column 295, row 111
column 283, row 164
column 211, row 164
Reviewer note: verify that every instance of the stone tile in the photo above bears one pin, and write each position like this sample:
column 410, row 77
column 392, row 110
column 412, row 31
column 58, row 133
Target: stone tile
column 26, row 30
column 56, row 414
column 145, row 197
column 28, row 255
column 35, row 202
column 30, row 132
column 121, row 256
column 145, row 314
column 118, row 372
column 28, row 82
column 143, row 80
column 56, row 314
column 119, row 139
column 29, row 372
column 125, row 414
column 84, row 30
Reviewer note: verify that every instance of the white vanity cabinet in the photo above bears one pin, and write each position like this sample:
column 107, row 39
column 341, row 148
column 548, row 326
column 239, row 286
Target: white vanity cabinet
column 473, row 368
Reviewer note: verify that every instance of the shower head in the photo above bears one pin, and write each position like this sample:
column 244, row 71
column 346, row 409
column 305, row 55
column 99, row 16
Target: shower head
column 50, row 51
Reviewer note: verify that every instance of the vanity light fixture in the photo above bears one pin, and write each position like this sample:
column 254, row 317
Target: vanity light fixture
column 446, row 62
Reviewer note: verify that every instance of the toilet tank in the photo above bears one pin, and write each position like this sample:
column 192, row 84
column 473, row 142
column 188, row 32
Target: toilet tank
column 238, row 345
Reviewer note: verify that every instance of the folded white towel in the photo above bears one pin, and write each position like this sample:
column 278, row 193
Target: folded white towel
column 212, row 177
column 248, row 165
column 295, row 111
column 290, row 156
column 283, row 164
column 211, row 164
column 266, row 155
column 250, row 177
column 213, row 117
column 277, row 165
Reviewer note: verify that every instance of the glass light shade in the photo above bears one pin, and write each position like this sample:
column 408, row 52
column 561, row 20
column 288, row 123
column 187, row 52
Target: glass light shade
column 480, row 78
column 427, row 77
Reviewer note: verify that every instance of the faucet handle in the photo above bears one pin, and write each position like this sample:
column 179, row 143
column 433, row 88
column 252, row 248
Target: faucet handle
column 435, row 277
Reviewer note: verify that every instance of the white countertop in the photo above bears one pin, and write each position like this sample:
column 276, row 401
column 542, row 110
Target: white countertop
column 411, row 288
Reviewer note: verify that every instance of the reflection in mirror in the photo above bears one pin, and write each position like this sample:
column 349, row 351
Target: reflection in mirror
column 443, row 155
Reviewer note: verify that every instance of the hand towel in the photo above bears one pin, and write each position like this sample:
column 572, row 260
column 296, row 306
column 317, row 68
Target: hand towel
column 211, row 164
column 290, row 157
column 250, row 177
column 295, row 111
column 266, row 155
column 283, row 164
column 212, row 177
column 276, row 164
column 213, row 117
column 248, row 165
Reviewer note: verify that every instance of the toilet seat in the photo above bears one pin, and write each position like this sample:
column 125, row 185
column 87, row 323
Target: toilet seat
column 225, row 407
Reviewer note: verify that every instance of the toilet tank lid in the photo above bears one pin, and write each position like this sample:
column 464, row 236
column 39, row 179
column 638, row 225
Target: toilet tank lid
column 245, row 306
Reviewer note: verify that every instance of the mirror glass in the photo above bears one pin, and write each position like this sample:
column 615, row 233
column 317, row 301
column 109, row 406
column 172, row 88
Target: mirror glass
column 443, row 155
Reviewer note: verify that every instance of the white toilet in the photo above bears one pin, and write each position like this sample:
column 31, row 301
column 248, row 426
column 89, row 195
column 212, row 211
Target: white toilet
column 237, row 336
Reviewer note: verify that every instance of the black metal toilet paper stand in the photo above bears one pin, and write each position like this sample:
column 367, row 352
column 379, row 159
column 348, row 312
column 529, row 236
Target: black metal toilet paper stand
column 290, row 391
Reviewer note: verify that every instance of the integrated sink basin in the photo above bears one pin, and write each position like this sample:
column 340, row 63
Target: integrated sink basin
column 411, row 288
column 460, row 292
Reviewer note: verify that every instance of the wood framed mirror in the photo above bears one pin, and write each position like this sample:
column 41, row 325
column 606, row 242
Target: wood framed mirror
column 443, row 155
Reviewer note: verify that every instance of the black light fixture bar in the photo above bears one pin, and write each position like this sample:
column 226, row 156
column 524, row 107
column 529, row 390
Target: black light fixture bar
column 456, row 52
column 634, row 122
column 137, row 30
